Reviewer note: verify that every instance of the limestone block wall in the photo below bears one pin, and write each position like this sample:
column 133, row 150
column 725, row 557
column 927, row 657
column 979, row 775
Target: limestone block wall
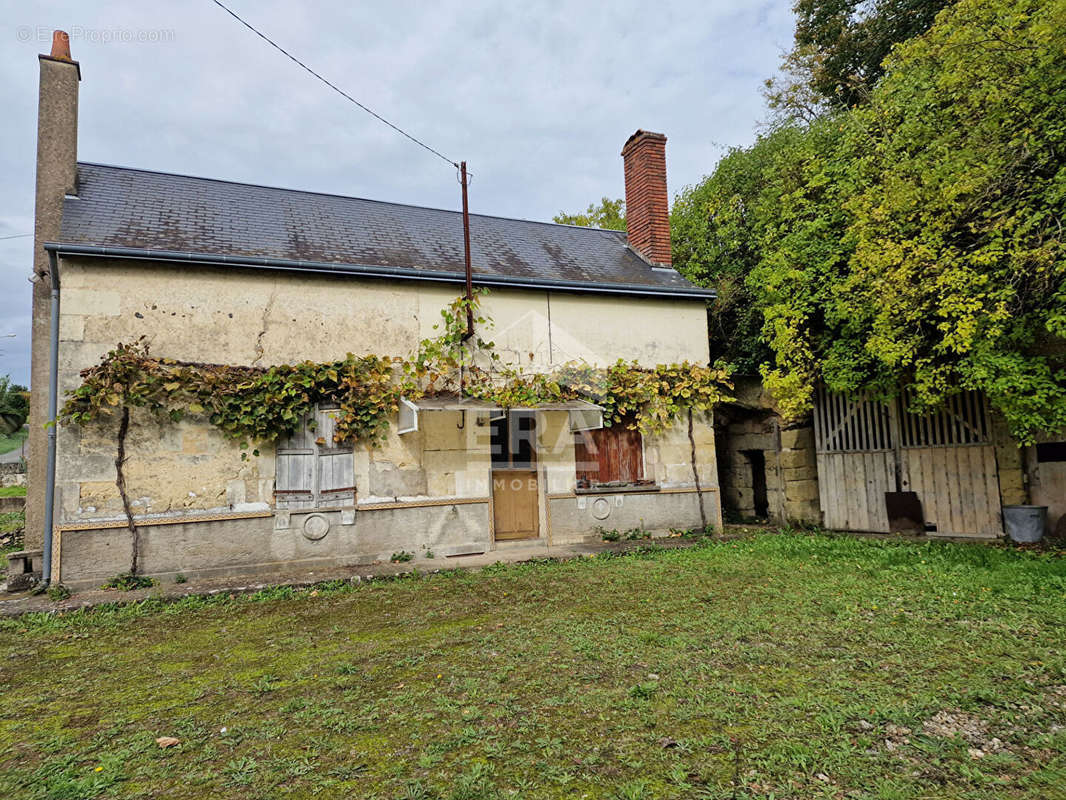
column 555, row 452
column 447, row 457
column 234, row 316
column 735, row 439
column 668, row 455
column 447, row 460
column 791, row 475
column 207, row 508
column 170, row 468
column 799, row 475
column 1010, row 461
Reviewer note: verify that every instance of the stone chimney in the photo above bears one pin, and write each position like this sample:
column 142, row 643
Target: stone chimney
column 57, row 156
column 647, row 205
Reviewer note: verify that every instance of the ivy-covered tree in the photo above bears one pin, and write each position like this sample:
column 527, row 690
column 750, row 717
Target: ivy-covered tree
column 918, row 240
column 719, row 225
column 609, row 214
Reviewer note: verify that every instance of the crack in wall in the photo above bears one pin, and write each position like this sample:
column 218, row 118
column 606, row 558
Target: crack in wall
column 263, row 324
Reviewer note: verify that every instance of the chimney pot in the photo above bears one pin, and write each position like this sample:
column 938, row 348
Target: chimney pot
column 647, row 204
column 61, row 46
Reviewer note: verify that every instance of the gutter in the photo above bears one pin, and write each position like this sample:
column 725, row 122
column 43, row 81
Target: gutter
column 367, row 271
column 53, row 411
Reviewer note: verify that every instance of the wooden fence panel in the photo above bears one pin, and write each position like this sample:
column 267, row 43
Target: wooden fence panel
column 958, row 488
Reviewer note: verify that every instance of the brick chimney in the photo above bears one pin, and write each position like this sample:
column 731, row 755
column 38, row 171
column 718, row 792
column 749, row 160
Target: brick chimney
column 57, row 156
column 647, row 205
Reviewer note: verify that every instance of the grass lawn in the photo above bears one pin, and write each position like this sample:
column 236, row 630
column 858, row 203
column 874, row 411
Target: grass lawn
column 12, row 491
column 13, row 441
column 781, row 666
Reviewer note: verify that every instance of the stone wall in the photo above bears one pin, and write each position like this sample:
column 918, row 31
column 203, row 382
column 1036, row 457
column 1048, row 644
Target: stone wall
column 799, row 473
column 270, row 543
column 249, row 317
column 12, row 474
column 735, row 438
column 752, row 424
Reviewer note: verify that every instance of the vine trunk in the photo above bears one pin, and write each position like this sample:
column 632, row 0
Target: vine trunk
column 696, row 472
column 120, row 482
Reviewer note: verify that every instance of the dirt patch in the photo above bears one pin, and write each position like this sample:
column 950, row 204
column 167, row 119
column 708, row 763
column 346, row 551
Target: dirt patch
column 971, row 728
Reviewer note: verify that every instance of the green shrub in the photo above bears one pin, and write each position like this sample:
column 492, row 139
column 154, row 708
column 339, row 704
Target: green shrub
column 127, row 582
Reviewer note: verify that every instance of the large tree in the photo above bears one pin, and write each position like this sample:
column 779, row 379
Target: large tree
column 609, row 214
column 917, row 241
column 14, row 405
column 716, row 227
column 839, row 51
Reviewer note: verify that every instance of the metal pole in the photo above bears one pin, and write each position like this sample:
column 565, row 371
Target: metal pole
column 466, row 245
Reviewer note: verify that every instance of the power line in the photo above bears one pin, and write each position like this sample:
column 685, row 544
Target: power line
column 333, row 86
column 16, row 236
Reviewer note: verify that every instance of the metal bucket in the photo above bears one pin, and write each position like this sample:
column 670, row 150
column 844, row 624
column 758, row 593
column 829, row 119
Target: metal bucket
column 1025, row 523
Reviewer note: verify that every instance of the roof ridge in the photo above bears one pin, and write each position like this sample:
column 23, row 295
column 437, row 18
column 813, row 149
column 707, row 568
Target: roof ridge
column 621, row 234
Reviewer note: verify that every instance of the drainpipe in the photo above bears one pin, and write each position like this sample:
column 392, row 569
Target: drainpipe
column 53, row 406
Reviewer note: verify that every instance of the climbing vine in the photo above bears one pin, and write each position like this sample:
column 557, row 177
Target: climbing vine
column 260, row 404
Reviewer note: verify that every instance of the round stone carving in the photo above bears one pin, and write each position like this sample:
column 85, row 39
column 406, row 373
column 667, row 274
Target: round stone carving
column 601, row 508
column 315, row 527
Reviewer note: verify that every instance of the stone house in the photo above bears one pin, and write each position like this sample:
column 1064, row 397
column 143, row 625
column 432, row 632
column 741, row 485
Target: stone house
column 217, row 272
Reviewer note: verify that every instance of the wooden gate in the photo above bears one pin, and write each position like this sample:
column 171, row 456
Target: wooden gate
column 947, row 457
column 856, row 461
column 866, row 448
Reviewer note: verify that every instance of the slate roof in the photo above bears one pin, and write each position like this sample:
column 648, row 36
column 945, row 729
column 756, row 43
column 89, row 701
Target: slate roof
column 127, row 211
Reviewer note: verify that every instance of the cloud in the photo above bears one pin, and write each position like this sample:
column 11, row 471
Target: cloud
column 538, row 97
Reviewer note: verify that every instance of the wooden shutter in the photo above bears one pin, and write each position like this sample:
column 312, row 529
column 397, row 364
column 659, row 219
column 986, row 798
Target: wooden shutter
column 336, row 478
column 336, row 470
column 610, row 454
column 294, row 480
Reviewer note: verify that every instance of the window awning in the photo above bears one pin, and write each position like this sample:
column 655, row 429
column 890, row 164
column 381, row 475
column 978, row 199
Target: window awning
column 584, row 416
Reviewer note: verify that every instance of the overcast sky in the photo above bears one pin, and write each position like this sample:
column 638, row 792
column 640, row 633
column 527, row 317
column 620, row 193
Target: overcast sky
column 538, row 97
